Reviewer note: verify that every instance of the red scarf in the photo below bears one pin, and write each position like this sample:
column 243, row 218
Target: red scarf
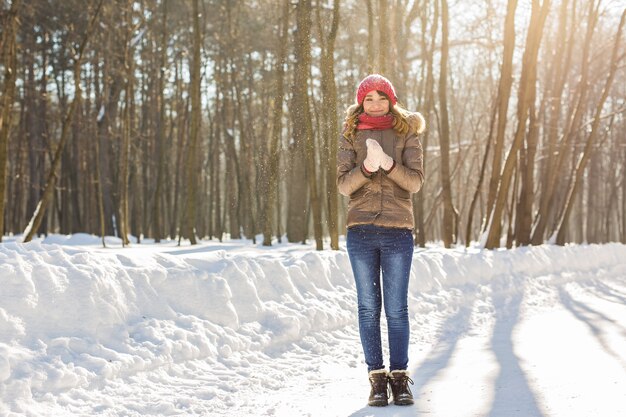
column 375, row 122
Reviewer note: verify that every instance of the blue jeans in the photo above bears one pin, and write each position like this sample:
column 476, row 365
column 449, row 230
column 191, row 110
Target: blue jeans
column 373, row 249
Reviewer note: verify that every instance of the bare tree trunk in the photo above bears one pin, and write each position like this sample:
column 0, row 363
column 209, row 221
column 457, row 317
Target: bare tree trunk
column 277, row 112
column 330, row 129
column 302, row 126
column 34, row 131
column 298, row 202
column 257, row 154
column 246, row 199
column 159, row 130
column 182, row 114
column 403, row 40
column 523, row 217
column 594, row 187
column 196, row 109
column 383, row 38
column 370, row 37
column 612, row 187
column 38, row 215
column 582, row 162
column 502, row 100
column 15, row 184
column 233, row 185
column 99, row 193
column 210, row 186
column 429, row 105
column 99, row 204
column 481, row 177
column 510, row 213
column 74, row 171
column 233, row 182
column 449, row 213
column 218, row 227
column 112, row 84
column 527, row 82
column 123, row 179
column 9, row 51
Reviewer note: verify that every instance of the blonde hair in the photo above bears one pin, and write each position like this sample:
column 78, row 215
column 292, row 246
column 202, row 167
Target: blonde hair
column 403, row 120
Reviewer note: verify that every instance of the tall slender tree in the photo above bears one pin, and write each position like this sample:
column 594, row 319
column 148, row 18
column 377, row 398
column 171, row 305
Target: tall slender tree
column 124, row 157
column 194, row 135
column 299, row 204
column 330, row 126
column 382, row 61
column 428, row 93
column 370, row 64
column 277, row 127
column 9, row 52
column 159, row 130
column 450, row 217
column 302, row 121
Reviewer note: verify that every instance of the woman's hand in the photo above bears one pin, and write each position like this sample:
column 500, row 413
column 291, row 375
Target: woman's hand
column 376, row 157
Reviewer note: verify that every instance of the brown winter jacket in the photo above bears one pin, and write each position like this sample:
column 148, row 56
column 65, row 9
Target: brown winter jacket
column 384, row 197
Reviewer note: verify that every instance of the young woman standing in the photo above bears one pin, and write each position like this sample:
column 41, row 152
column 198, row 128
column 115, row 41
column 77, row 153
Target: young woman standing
column 379, row 166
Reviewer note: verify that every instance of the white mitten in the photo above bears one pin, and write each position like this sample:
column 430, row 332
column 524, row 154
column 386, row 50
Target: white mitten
column 375, row 151
column 372, row 161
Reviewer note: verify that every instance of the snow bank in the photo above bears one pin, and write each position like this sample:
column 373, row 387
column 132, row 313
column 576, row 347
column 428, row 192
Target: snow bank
column 77, row 316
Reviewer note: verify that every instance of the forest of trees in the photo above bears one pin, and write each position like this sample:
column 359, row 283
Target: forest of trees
column 206, row 119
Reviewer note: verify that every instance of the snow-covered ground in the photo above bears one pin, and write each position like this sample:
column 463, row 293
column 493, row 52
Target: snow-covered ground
column 240, row 330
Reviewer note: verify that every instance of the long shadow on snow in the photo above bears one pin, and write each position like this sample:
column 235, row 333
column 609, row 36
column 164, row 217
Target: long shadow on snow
column 512, row 394
column 596, row 322
column 452, row 330
column 607, row 292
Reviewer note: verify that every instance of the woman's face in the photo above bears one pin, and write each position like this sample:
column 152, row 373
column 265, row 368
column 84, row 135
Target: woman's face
column 375, row 104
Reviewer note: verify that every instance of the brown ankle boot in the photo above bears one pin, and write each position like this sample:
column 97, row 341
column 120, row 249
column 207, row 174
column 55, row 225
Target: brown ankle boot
column 378, row 394
column 399, row 381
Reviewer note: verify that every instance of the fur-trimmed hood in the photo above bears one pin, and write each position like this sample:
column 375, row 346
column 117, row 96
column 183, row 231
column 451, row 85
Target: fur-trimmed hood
column 417, row 123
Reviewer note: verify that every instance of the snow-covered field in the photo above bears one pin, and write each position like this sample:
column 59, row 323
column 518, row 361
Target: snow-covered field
column 240, row 330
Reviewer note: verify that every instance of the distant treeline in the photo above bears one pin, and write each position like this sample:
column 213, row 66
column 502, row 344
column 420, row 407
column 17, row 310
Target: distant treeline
column 206, row 118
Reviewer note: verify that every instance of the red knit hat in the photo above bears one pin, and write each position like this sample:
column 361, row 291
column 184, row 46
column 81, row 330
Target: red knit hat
column 376, row 82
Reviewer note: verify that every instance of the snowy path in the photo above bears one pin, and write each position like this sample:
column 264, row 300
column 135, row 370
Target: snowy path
column 543, row 350
column 238, row 331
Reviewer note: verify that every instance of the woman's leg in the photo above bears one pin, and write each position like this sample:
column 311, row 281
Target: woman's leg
column 365, row 260
column 396, row 259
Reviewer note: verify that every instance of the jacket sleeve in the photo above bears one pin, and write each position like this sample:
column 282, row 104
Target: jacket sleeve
column 410, row 174
column 350, row 176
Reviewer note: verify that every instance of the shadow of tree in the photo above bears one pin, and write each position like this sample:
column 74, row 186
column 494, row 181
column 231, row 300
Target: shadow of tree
column 513, row 396
column 453, row 329
column 595, row 320
column 607, row 292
